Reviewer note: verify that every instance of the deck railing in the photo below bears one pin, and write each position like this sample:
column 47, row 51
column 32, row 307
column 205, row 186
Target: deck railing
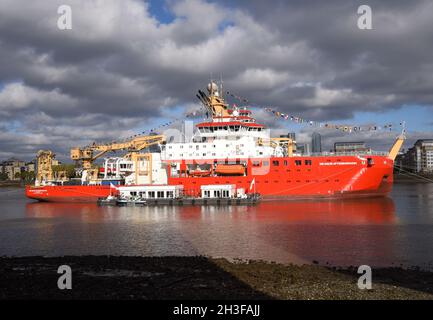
column 336, row 154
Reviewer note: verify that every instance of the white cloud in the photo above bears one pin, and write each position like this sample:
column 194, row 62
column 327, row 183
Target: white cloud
column 17, row 96
column 120, row 67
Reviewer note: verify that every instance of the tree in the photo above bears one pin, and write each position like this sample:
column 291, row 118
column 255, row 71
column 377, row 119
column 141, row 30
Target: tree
column 27, row 176
column 69, row 168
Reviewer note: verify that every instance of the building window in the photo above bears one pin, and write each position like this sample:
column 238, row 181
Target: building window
column 160, row 194
column 298, row 162
column 275, row 163
column 308, row 162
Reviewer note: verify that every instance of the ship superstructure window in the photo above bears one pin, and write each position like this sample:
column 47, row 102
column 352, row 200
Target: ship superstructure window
column 286, row 163
column 298, row 162
column 275, row 163
column 308, row 162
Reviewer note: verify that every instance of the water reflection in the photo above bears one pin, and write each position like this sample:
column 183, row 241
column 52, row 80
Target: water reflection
column 356, row 211
column 342, row 232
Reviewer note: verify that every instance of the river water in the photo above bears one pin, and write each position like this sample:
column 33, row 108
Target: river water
column 396, row 230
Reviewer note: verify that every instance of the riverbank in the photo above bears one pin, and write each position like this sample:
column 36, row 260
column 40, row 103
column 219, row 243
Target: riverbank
column 104, row 277
column 11, row 184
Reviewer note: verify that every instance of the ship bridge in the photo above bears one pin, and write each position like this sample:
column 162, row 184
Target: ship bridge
column 230, row 133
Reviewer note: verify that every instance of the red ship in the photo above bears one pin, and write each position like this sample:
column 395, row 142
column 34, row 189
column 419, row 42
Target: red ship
column 229, row 148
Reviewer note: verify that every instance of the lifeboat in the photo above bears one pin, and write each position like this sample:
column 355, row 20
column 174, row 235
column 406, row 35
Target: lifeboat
column 200, row 173
column 230, row 169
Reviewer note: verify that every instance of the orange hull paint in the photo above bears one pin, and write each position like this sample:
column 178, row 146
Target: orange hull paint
column 328, row 177
column 67, row 193
column 333, row 176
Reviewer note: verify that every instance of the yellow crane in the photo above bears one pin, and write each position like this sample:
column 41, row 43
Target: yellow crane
column 44, row 165
column 89, row 154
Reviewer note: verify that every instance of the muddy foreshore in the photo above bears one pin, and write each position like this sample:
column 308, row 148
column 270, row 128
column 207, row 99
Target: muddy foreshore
column 105, row 277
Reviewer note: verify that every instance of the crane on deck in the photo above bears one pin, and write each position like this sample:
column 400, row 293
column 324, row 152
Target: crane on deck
column 89, row 154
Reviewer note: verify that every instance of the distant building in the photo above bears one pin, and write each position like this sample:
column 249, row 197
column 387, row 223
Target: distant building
column 12, row 167
column 419, row 158
column 290, row 135
column 31, row 166
column 316, row 142
column 303, row 148
column 345, row 147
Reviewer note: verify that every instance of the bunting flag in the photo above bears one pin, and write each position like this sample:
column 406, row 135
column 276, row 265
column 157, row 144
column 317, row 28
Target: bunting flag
column 345, row 128
column 237, row 97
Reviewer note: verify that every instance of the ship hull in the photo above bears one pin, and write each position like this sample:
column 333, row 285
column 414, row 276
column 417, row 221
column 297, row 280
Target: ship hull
column 309, row 177
column 67, row 193
column 322, row 177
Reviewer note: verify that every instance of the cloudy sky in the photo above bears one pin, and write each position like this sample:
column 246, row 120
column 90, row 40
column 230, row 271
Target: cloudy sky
column 129, row 65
